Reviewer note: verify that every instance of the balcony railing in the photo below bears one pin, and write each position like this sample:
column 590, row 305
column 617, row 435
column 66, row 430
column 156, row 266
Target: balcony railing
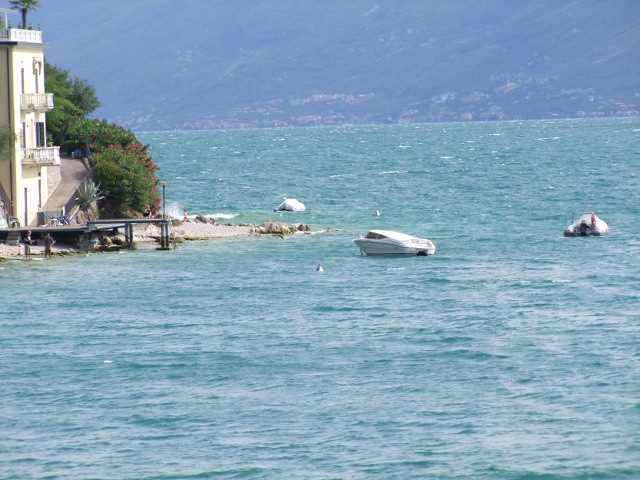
column 41, row 156
column 39, row 102
column 21, row 35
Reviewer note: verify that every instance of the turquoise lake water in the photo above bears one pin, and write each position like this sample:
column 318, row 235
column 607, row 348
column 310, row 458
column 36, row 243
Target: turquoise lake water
column 513, row 353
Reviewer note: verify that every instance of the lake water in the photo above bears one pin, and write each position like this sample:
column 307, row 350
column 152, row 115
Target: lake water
column 513, row 353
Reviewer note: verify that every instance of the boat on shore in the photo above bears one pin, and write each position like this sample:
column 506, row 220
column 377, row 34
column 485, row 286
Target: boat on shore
column 387, row 242
column 587, row 225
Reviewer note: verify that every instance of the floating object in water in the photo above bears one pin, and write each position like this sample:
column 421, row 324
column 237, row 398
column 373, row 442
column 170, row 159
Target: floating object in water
column 588, row 224
column 385, row 242
column 291, row 205
column 377, row 213
column 320, row 268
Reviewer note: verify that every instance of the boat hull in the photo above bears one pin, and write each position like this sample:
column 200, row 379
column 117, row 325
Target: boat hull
column 583, row 227
column 376, row 247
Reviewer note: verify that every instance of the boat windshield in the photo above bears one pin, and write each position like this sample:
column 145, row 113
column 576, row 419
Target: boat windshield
column 375, row 236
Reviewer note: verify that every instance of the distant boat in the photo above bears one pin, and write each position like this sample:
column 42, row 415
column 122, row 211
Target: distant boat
column 588, row 224
column 386, row 242
column 291, row 205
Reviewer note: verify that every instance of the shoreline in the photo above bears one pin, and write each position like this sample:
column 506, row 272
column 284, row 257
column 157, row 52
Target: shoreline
column 193, row 230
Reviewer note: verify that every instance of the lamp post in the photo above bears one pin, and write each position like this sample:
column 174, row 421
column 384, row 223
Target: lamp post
column 164, row 204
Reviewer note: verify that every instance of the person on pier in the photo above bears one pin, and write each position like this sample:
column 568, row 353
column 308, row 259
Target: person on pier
column 48, row 243
column 27, row 242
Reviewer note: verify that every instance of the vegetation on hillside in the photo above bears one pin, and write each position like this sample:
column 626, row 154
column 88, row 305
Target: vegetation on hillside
column 309, row 62
column 121, row 165
column 74, row 100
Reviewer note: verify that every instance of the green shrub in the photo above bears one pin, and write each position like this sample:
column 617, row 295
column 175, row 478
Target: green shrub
column 95, row 136
column 127, row 183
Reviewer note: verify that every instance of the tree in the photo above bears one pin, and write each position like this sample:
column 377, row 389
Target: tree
column 25, row 6
column 94, row 136
column 74, row 100
column 128, row 185
column 83, row 96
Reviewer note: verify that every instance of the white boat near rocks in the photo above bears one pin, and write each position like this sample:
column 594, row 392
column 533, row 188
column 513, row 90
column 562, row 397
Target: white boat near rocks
column 386, row 242
column 291, row 205
column 588, row 224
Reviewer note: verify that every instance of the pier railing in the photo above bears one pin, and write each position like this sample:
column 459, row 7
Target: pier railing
column 41, row 156
column 39, row 102
column 20, row 35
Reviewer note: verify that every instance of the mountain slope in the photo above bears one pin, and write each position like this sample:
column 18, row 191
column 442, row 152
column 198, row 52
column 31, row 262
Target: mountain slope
column 195, row 63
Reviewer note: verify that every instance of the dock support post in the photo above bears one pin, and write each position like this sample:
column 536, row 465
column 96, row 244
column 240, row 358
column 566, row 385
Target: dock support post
column 164, row 235
column 129, row 229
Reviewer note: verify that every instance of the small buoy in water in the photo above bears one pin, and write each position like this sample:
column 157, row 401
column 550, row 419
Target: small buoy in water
column 377, row 213
column 320, row 268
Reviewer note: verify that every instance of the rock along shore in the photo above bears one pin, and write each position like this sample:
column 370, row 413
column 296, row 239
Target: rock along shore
column 206, row 230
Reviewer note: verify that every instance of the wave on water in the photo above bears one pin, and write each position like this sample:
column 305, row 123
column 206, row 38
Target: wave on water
column 223, row 216
column 393, row 172
column 338, row 175
column 177, row 212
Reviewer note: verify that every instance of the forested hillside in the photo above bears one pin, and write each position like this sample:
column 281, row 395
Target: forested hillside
column 198, row 64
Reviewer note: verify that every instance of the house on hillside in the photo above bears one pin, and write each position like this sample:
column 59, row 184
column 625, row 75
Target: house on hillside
column 30, row 169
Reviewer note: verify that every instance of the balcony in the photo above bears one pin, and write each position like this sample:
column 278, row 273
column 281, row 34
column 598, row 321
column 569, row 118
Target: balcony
column 36, row 102
column 41, row 156
column 20, row 35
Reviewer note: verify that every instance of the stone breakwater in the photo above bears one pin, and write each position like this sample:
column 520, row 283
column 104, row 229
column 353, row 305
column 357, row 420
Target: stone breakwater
column 207, row 230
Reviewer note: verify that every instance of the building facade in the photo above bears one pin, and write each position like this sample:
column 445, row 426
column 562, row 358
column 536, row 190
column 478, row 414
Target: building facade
column 30, row 167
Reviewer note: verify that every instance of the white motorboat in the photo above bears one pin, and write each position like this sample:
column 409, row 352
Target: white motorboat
column 386, row 242
column 588, row 224
column 291, row 205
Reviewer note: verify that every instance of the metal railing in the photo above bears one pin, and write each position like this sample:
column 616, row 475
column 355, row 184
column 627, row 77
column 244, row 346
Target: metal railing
column 21, row 35
column 41, row 156
column 36, row 101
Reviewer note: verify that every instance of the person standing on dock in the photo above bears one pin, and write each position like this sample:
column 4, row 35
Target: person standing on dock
column 48, row 243
column 27, row 241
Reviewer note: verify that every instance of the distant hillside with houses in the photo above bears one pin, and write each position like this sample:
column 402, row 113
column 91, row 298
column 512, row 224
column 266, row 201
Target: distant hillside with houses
column 157, row 65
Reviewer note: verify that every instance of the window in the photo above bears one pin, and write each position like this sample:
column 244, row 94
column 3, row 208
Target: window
column 40, row 135
column 23, row 135
column 22, row 81
column 37, row 84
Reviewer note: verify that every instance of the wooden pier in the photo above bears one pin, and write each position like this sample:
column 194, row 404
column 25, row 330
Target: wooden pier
column 78, row 234
column 127, row 225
